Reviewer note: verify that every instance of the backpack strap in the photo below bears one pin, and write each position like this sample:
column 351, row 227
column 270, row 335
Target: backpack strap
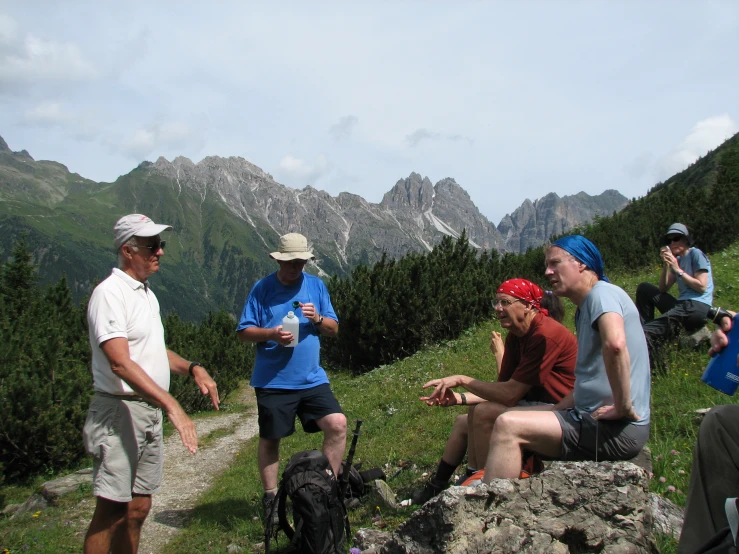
column 281, row 501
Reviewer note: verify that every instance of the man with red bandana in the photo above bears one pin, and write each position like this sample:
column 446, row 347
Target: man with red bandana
column 537, row 368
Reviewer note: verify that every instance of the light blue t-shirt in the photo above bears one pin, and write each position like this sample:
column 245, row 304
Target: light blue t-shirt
column 693, row 262
column 592, row 388
column 277, row 366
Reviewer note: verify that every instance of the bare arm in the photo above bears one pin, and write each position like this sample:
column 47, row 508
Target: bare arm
column 329, row 327
column 264, row 334
column 116, row 350
column 507, row 393
column 618, row 368
column 697, row 282
column 666, row 278
column 203, row 380
column 497, row 347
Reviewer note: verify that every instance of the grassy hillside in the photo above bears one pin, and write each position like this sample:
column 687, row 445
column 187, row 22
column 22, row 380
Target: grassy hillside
column 400, row 431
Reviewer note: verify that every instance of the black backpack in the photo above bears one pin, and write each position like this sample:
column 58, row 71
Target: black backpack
column 356, row 486
column 320, row 521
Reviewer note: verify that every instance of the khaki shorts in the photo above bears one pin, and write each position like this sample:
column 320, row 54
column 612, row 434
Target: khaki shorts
column 124, row 438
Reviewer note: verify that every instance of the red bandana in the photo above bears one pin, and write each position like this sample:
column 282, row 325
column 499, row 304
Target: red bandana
column 524, row 290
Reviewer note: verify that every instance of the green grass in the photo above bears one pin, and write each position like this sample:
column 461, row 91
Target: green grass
column 400, row 431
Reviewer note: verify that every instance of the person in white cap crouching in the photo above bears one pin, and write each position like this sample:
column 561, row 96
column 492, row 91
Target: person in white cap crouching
column 131, row 370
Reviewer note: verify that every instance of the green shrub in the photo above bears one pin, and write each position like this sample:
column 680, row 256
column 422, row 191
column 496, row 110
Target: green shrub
column 45, row 381
column 213, row 343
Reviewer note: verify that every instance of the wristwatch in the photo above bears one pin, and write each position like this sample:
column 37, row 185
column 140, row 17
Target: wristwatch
column 320, row 320
column 680, row 273
column 192, row 365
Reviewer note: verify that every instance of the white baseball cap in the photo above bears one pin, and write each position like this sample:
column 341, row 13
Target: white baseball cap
column 135, row 225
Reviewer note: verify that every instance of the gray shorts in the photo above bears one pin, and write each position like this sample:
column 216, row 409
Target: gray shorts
column 585, row 438
column 124, row 438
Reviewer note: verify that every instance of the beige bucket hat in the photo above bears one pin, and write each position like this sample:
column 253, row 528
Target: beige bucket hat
column 293, row 246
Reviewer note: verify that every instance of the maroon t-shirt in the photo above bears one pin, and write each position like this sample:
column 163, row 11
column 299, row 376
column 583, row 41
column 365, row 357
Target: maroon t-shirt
column 544, row 358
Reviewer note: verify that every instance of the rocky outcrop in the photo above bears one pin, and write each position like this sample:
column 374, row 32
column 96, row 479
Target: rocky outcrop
column 571, row 507
column 535, row 222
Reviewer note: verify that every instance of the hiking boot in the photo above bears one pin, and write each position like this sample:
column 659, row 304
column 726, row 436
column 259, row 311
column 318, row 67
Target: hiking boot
column 431, row 489
column 270, row 516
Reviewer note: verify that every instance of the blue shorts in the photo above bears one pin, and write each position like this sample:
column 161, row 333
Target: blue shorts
column 278, row 407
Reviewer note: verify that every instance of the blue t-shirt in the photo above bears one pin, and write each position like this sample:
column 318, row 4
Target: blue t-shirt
column 277, row 366
column 693, row 262
column 592, row 388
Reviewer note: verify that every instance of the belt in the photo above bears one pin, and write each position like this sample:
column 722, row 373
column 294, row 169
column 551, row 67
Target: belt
column 131, row 397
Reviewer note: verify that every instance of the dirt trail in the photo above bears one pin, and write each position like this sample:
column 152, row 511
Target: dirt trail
column 187, row 476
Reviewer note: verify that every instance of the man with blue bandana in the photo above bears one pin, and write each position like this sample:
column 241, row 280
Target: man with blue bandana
column 606, row 417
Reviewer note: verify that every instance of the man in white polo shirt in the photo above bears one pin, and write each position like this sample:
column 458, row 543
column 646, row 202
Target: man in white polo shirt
column 131, row 369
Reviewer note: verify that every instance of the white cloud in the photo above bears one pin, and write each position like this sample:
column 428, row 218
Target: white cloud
column 344, row 127
column 29, row 61
column 419, row 135
column 298, row 172
column 705, row 136
column 158, row 137
column 47, row 114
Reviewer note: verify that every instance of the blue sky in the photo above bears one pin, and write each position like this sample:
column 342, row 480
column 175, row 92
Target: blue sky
column 512, row 99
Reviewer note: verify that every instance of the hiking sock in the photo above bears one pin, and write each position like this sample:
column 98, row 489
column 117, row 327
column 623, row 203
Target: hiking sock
column 443, row 473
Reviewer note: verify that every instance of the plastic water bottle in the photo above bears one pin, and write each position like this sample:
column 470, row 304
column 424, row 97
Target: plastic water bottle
column 291, row 324
column 722, row 373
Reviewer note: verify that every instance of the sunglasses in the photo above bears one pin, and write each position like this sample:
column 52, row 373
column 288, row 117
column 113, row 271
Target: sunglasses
column 676, row 238
column 153, row 247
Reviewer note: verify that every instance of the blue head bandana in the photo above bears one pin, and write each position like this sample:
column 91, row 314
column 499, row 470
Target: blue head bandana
column 585, row 252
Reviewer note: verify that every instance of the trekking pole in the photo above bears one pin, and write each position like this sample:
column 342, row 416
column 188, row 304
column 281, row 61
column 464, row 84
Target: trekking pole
column 344, row 481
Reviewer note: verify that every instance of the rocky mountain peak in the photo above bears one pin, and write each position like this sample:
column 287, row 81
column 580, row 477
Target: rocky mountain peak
column 4, row 145
column 448, row 186
column 414, row 193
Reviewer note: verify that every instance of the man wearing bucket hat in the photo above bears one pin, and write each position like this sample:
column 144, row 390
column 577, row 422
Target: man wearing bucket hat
column 686, row 265
column 131, row 369
column 606, row 417
column 289, row 381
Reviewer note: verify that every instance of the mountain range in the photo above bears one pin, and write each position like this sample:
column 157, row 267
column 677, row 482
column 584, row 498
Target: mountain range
column 227, row 214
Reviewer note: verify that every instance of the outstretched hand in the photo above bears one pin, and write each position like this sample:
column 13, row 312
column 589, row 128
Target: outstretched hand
column 185, row 427
column 442, row 394
column 206, row 384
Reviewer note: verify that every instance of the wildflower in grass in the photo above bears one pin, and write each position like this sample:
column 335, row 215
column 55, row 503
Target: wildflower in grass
column 674, row 452
column 681, row 471
column 354, row 550
column 671, row 489
column 36, row 514
column 663, row 479
column 659, row 457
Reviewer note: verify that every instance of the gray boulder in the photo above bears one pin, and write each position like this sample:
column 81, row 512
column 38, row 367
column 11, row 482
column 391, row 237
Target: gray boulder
column 571, row 507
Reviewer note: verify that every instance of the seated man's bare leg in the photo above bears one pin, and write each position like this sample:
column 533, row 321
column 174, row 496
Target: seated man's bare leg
column 538, row 432
column 479, row 432
column 456, row 444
